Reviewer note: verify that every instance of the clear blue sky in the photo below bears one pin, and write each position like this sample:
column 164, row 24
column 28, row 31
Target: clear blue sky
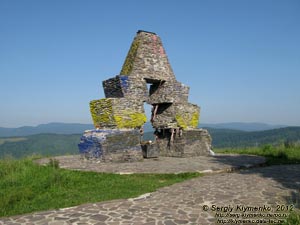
column 240, row 58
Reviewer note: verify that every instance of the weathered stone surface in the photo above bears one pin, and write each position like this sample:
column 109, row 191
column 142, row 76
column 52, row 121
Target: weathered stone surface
column 150, row 150
column 111, row 145
column 186, row 143
column 115, row 87
column 184, row 115
column 117, row 113
column 197, row 142
column 168, row 92
column 147, row 63
column 204, row 164
column 147, row 58
column 126, row 86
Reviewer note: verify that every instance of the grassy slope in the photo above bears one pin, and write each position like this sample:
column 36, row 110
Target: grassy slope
column 275, row 155
column 27, row 187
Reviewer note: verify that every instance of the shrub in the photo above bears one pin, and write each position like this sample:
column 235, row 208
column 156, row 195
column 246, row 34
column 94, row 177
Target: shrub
column 54, row 163
column 289, row 144
column 267, row 148
column 281, row 154
column 293, row 219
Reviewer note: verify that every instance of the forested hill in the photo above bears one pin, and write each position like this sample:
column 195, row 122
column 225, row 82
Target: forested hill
column 60, row 144
column 227, row 138
column 41, row 144
column 224, row 138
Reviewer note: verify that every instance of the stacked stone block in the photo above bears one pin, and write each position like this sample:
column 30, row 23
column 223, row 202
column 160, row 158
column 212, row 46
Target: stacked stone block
column 116, row 113
column 115, row 87
column 173, row 117
column 124, row 86
column 111, row 145
column 168, row 92
column 188, row 143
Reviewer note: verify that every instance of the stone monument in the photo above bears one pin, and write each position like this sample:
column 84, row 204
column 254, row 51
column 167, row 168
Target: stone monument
column 119, row 118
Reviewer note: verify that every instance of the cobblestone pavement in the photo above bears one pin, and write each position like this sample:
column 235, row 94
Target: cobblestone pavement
column 204, row 164
column 184, row 203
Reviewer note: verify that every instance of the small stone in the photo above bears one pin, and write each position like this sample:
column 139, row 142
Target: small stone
column 99, row 217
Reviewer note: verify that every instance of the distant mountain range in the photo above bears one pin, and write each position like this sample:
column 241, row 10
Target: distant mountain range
column 77, row 128
column 49, row 128
column 232, row 126
column 242, row 126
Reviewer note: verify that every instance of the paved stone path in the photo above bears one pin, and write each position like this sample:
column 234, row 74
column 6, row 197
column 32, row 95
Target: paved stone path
column 184, row 203
column 204, row 164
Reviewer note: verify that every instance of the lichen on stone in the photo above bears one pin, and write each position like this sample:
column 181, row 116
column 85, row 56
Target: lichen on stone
column 128, row 64
column 186, row 120
column 182, row 121
column 128, row 119
column 195, row 120
column 101, row 111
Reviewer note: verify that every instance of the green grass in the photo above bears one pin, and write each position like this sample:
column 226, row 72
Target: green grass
column 293, row 218
column 274, row 155
column 27, row 187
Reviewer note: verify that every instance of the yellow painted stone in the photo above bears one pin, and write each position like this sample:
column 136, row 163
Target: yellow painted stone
column 128, row 119
column 104, row 114
column 101, row 111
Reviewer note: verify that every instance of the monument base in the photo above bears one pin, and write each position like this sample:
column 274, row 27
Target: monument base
column 187, row 143
column 111, row 145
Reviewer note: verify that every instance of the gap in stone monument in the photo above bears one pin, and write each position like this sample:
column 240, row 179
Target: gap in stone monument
column 148, row 129
column 152, row 86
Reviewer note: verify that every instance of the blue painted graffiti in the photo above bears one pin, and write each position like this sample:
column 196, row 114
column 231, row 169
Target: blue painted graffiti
column 124, row 82
column 91, row 142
